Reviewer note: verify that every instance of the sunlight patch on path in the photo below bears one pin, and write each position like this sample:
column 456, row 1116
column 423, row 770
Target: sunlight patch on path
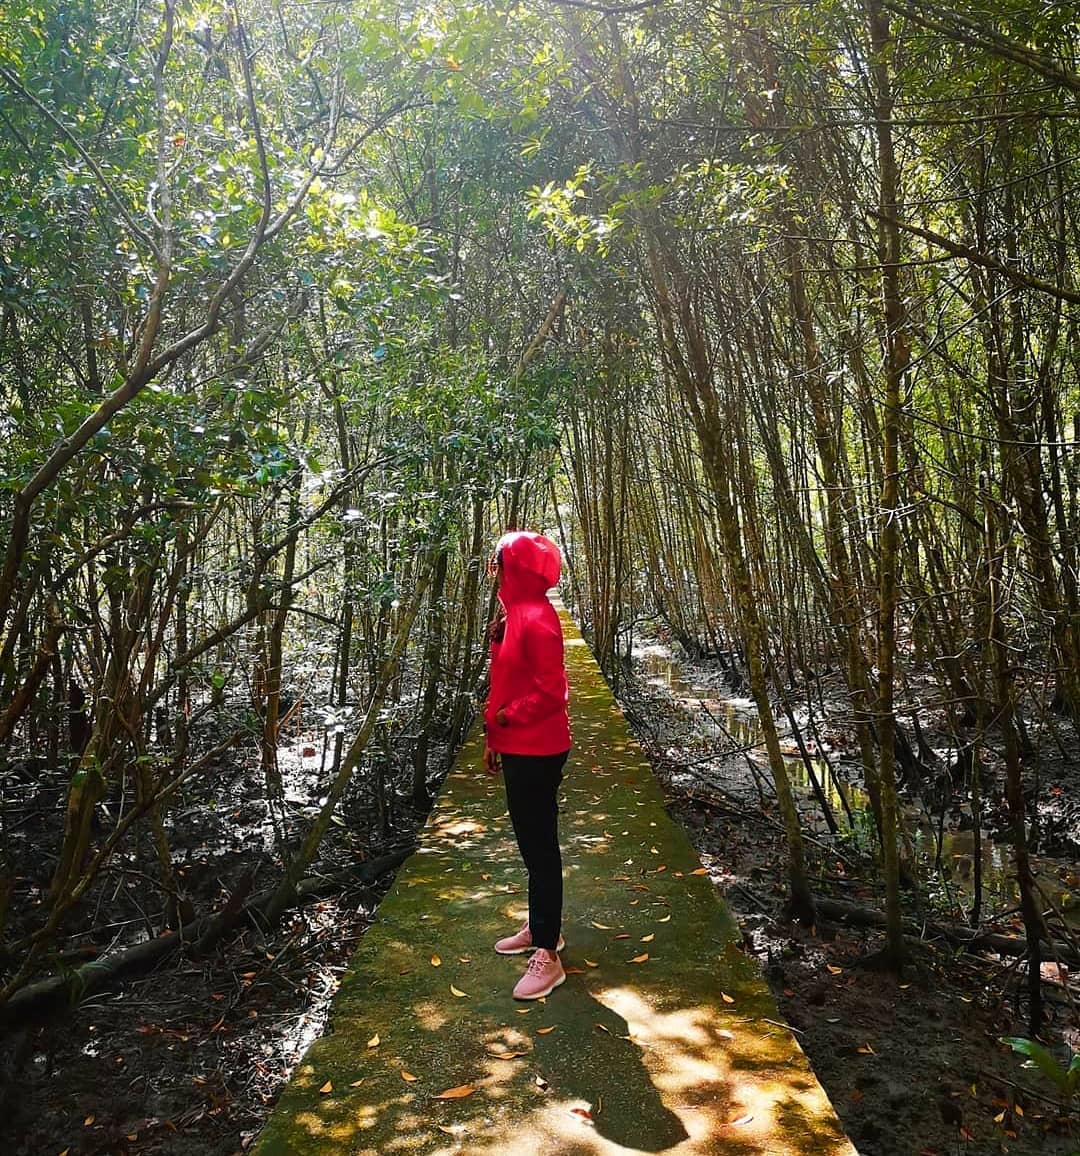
column 663, row 1039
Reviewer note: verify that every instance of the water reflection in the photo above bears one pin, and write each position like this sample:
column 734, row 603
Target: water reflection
column 730, row 725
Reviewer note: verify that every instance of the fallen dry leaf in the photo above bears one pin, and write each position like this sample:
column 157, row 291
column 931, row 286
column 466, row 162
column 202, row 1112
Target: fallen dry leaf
column 623, row 935
column 639, row 958
column 458, row 1093
column 88, row 1121
column 834, row 970
column 356, row 1083
column 664, row 919
column 327, row 1088
column 589, row 963
column 648, row 938
column 866, row 1050
column 727, row 998
column 1054, row 973
column 458, row 992
column 436, row 961
column 373, row 1042
column 541, row 1083
column 506, row 1055
column 574, row 970
column 408, row 1077
column 700, row 871
column 545, row 1031
column 602, row 926
column 742, row 1120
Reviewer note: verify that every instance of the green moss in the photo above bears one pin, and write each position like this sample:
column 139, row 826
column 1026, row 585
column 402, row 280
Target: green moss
column 651, row 1050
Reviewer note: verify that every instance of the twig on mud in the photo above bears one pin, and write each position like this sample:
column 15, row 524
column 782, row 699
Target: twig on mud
column 734, row 806
column 288, row 944
column 966, row 938
column 105, row 970
column 1065, row 930
column 996, row 1079
column 760, row 904
column 723, row 801
column 739, row 748
column 829, row 848
column 786, row 1027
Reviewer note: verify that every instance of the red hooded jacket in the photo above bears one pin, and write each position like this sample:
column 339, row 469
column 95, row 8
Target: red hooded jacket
column 528, row 678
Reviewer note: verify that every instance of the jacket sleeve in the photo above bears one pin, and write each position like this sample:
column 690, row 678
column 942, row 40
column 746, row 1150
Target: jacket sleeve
column 543, row 652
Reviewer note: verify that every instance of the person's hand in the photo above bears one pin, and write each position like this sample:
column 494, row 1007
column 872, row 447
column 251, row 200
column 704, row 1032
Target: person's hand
column 492, row 761
column 501, row 719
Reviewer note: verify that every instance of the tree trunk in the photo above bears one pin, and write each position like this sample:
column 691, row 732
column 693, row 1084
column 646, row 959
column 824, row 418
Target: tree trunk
column 896, row 358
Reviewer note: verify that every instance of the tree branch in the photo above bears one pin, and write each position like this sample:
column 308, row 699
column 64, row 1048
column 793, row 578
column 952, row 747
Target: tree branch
column 977, row 257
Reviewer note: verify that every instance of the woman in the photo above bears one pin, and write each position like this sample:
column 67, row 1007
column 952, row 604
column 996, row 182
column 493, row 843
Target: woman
column 528, row 734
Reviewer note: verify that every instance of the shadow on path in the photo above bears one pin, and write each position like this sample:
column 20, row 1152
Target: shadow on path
column 663, row 1039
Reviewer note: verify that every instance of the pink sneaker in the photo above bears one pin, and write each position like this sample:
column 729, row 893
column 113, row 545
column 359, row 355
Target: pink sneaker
column 542, row 976
column 522, row 942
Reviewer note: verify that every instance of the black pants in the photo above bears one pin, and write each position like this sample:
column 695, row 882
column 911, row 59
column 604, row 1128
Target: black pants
column 532, row 783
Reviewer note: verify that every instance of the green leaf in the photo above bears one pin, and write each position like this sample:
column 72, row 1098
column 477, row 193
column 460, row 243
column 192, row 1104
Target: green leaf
column 1042, row 1059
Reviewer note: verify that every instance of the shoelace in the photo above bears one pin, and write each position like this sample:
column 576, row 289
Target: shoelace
column 537, row 964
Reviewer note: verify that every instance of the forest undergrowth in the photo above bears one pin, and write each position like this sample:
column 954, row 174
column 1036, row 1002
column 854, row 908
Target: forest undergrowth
column 189, row 1057
column 197, row 1050
column 769, row 314
column 913, row 1064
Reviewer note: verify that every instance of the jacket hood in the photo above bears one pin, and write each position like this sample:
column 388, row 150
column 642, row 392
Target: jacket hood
column 531, row 565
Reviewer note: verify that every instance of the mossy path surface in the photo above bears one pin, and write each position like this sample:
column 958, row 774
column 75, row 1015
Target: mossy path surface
column 664, row 1037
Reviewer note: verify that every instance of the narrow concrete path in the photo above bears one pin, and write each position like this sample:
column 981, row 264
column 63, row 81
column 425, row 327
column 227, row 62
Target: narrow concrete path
column 664, row 1037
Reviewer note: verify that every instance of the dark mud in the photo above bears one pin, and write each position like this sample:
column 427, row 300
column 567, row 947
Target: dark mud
column 189, row 1058
column 912, row 1064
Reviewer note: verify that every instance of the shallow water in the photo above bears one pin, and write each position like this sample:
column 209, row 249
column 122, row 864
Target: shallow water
column 732, row 722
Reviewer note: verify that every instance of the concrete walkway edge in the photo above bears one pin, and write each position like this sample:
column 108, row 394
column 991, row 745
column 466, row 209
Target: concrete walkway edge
column 664, row 1038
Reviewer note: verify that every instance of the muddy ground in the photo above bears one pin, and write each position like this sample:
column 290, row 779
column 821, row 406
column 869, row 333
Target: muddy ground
column 913, row 1063
column 186, row 1061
